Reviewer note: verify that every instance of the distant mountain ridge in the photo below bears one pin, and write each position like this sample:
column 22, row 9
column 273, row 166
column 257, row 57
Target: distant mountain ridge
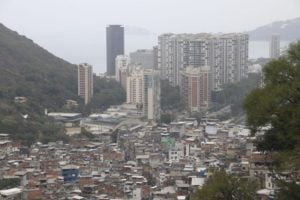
column 289, row 30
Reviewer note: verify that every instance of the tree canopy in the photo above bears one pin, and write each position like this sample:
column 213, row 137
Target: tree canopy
column 170, row 97
column 223, row 186
column 276, row 106
column 233, row 94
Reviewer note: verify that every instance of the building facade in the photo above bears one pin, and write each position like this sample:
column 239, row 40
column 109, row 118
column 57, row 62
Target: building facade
column 195, row 88
column 164, row 51
column 155, row 57
column 275, row 46
column 134, row 87
column 114, row 46
column 143, row 89
column 226, row 54
column 151, row 95
column 85, row 82
column 122, row 63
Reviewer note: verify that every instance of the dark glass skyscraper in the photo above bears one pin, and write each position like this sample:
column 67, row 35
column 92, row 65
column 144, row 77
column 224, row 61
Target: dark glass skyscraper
column 114, row 46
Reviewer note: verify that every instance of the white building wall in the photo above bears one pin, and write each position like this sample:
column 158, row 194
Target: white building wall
column 122, row 62
column 275, row 46
column 85, row 82
column 226, row 54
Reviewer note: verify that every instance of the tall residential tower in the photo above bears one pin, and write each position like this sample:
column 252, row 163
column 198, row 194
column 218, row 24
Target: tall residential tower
column 114, row 46
column 85, row 82
column 275, row 46
column 122, row 63
column 226, row 54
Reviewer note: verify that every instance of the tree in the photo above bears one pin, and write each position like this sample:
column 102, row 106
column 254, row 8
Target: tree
column 167, row 118
column 7, row 183
column 106, row 93
column 233, row 94
column 276, row 106
column 170, row 97
column 288, row 191
column 223, row 186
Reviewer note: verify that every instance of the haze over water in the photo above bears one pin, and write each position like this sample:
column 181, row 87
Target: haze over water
column 75, row 29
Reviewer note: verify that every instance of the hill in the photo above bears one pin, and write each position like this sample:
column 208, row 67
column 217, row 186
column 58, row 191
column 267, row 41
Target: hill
column 31, row 71
column 289, row 30
column 47, row 81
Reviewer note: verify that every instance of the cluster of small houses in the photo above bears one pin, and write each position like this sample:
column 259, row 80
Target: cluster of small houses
column 132, row 160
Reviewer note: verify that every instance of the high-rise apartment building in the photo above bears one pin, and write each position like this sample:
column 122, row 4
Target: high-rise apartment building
column 143, row 89
column 231, row 63
column 151, row 95
column 195, row 88
column 114, row 46
column 122, row 63
column 155, row 57
column 226, row 54
column 85, row 82
column 134, row 87
column 275, row 46
column 164, row 51
column 143, row 57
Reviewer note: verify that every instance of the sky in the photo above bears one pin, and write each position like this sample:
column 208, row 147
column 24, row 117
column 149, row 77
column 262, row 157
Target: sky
column 75, row 29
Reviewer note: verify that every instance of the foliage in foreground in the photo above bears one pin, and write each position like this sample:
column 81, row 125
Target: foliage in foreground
column 277, row 104
column 288, row 191
column 276, row 107
column 223, row 186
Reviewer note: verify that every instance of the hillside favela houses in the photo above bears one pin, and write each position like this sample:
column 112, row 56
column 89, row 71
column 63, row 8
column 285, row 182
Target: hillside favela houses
column 178, row 121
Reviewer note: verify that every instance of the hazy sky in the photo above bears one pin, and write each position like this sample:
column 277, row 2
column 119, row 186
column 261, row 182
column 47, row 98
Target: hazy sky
column 75, row 29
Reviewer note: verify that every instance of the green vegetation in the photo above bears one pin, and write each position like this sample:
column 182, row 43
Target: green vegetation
column 47, row 82
column 170, row 97
column 277, row 104
column 107, row 92
column 29, row 70
column 222, row 186
column 167, row 118
column 288, row 190
column 234, row 94
column 277, row 107
column 8, row 183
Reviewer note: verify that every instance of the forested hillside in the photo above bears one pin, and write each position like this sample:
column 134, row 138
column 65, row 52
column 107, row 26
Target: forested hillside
column 47, row 81
column 31, row 71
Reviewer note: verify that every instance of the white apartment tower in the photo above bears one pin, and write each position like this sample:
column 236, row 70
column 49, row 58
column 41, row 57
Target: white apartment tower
column 275, row 46
column 143, row 88
column 134, row 87
column 164, row 57
column 122, row 63
column 151, row 95
column 85, row 82
column 226, row 54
